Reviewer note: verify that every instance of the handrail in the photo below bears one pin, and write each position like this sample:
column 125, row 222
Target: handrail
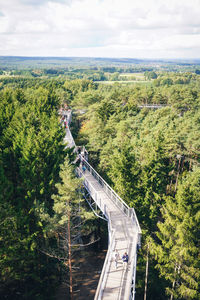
column 71, row 139
column 152, row 105
column 131, row 266
column 134, row 217
column 129, row 212
column 91, row 190
column 104, row 272
column 102, row 181
column 125, row 209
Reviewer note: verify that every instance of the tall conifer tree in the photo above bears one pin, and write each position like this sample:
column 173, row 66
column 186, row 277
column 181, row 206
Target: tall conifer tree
column 177, row 251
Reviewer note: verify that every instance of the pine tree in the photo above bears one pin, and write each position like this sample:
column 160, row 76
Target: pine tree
column 31, row 152
column 177, row 250
column 65, row 225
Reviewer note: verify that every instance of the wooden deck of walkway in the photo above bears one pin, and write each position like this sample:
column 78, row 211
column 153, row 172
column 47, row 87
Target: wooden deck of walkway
column 69, row 139
column 115, row 283
column 118, row 281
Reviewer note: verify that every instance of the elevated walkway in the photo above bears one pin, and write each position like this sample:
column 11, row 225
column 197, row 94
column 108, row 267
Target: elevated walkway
column 124, row 233
column 152, row 106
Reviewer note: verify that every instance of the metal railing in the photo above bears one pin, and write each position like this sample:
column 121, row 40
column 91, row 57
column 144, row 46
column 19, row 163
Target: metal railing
column 152, row 105
column 69, row 116
column 129, row 212
column 70, row 138
column 91, row 190
column 106, row 266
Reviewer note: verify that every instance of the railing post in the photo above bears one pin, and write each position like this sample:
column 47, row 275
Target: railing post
column 105, row 209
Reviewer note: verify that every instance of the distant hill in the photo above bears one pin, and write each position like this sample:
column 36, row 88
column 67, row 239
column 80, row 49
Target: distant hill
column 22, row 62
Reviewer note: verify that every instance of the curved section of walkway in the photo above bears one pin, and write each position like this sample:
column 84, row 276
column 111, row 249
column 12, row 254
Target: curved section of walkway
column 124, row 234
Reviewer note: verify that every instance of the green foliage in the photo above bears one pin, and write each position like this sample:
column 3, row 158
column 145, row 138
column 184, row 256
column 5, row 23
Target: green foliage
column 177, row 250
column 145, row 154
column 150, row 75
column 86, row 98
column 150, row 157
column 68, row 197
column 31, row 152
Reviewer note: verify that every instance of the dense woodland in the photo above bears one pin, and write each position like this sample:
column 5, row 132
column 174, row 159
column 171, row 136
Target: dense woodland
column 151, row 158
column 95, row 69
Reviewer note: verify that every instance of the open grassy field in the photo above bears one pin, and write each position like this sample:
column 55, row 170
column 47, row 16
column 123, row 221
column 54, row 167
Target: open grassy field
column 138, row 76
column 125, row 82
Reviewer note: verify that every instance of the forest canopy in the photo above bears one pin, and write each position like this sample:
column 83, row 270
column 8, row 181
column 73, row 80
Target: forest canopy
column 150, row 157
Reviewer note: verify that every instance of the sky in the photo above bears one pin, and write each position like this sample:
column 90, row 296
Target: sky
column 100, row 28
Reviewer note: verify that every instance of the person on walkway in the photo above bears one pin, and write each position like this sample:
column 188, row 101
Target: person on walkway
column 83, row 168
column 65, row 123
column 116, row 258
column 125, row 259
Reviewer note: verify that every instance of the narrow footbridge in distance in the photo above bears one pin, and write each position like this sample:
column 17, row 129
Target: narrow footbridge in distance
column 123, row 228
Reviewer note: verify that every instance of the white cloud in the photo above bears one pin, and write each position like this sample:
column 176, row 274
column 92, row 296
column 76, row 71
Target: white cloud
column 148, row 28
column 34, row 26
column 42, row 2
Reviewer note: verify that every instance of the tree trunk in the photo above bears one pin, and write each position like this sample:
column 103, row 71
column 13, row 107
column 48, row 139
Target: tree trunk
column 170, row 186
column 173, row 284
column 70, row 258
column 179, row 163
column 146, row 275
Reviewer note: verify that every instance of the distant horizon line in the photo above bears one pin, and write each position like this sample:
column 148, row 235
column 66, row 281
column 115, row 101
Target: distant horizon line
column 100, row 57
